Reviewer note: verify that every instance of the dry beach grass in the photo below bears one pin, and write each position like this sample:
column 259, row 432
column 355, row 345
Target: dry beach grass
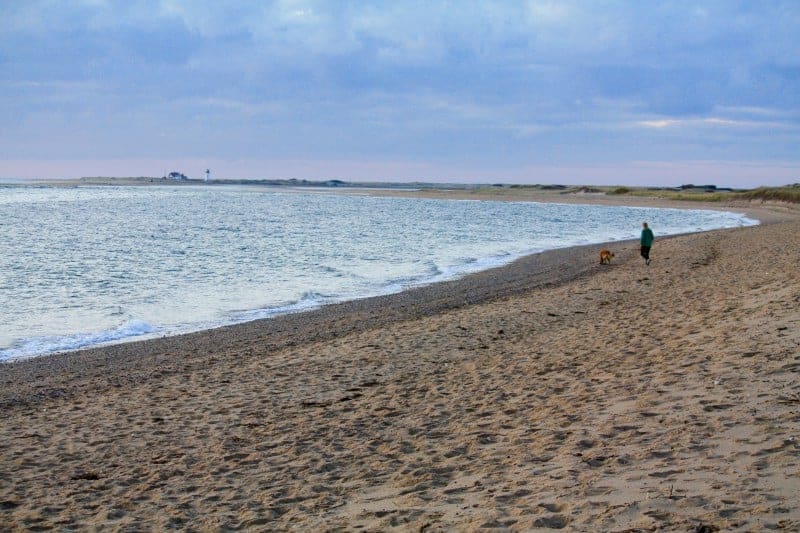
column 553, row 393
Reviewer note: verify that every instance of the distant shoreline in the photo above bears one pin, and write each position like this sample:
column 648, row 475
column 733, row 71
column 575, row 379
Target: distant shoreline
column 342, row 184
column 685, row 197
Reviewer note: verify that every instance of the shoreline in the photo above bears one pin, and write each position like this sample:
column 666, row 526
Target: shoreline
column 549, row 393
column 546, row 269
column 477, row 283
column 761, row 214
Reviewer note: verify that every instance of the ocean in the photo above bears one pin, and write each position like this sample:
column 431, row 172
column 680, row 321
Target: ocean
column 89, row 266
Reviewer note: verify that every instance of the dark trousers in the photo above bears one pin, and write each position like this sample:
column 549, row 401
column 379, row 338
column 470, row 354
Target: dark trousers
column 646, row 252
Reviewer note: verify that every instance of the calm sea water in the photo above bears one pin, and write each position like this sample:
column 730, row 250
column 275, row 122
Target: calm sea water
column 89, row 266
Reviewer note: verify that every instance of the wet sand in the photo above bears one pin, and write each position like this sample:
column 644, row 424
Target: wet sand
column 551, row 393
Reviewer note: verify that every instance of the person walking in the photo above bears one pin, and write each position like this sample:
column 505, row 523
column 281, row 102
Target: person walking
column 646, row 241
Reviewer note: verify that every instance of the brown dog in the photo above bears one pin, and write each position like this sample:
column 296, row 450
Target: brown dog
column 605, row 256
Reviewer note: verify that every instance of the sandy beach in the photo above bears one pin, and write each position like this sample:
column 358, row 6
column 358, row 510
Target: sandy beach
column 554, row 393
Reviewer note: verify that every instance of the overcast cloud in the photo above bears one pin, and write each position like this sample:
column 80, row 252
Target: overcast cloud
column 533, row 91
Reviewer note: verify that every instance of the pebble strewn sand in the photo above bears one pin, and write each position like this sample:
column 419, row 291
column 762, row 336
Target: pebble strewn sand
column 554, row 393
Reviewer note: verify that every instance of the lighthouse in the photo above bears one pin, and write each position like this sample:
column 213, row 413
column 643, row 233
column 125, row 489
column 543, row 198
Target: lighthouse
column 208, row 175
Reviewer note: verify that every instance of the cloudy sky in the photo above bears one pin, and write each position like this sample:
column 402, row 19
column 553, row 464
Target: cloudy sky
column 591, row 92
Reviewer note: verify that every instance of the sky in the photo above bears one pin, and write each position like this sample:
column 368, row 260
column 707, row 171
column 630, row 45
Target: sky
column 529, row 91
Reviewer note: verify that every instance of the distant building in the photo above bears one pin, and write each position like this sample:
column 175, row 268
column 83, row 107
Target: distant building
column 177, row 176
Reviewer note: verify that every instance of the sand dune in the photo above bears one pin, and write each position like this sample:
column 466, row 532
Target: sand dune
column 554, row 393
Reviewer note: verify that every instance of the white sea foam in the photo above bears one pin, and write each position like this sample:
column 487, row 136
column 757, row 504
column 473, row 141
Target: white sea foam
column 175, row 259
column 55, row 343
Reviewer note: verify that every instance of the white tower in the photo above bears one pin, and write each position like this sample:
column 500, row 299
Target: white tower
column 208, row 174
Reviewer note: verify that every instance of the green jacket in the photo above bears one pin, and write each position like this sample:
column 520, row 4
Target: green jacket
column 647, row 237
